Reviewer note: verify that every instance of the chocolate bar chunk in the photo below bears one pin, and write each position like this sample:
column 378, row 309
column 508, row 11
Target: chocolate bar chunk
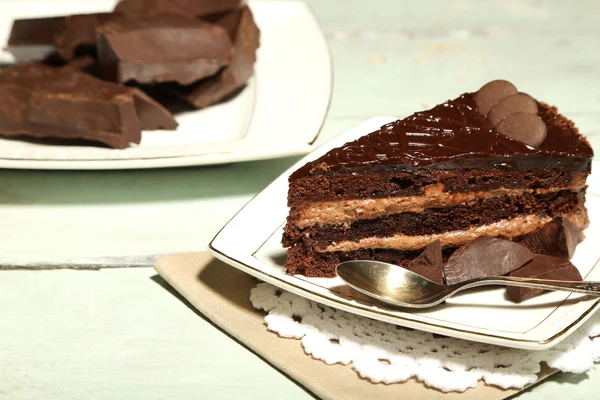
column 41, row 101
column 79, row 34
column 429, row 263
column 558, row 238
column 236, row 74
column 33, row 39
column 37, row 38
column 83, row 63
column 152, row 114
column 161, row 49
column 139, row 9
column 541, row 267
column 485, row 256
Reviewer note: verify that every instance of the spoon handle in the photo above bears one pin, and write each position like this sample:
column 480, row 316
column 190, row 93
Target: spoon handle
column 589, row 287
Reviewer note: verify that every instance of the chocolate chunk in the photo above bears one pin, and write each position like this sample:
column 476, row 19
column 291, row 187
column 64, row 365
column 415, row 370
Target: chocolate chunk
column 229, row 20
column 429, row 263
column 79, row 35
column 36, row 39
column 485, row 256
column 491, row 93
column 232, row 77
column 189, row 8
column 558, row 238
column 519, row 102
column 542, row 267
column 83, row 63
column 41, row 101
column 152, row 115
column 524, row 127
column 33, row 39
column 166, row 48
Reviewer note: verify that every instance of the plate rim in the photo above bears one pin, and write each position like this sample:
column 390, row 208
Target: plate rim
column 248, row 153
column 529, row 344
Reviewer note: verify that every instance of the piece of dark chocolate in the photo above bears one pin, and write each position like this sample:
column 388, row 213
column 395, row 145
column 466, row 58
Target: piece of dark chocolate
column 83, row 63
column 41, row 101
column 542, row 267
column 558, row 238
column 483, row 257
column 152, row 114
column 235, row 75
column 33, row 39
column 36, row 39
column 139, row 9
column 79, row 35
column 166, row 48
column 229, row 20
column 429, row 263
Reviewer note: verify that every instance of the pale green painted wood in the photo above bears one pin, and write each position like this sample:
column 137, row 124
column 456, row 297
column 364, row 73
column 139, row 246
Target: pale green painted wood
column 118, row 334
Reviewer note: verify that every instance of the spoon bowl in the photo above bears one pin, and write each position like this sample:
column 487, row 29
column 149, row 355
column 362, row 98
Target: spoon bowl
column 400, row 287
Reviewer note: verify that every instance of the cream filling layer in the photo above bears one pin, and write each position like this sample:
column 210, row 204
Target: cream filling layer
column 508, row 228
column 348, row 211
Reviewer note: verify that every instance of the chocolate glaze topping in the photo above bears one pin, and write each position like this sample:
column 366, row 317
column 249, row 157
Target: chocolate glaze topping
column 456, row 135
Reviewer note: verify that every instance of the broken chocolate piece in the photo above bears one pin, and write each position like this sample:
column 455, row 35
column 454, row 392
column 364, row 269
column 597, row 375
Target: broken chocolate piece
column 38, row 38
column 33, row 39
column 232, row 77
column 429, row 263
column 152, row 115
column 483, row 257
column 229, row 20
column 491, row 93
column 83, row 63
column 558, row 238
column 41, row 101
column 139, row 9
column 542, row 267
column 166, row 48
column 79, row 35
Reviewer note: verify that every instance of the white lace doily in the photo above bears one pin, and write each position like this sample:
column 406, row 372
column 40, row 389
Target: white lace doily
column 382, row 352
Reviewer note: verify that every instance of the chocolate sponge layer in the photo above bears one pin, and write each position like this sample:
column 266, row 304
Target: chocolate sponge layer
column 391, row 181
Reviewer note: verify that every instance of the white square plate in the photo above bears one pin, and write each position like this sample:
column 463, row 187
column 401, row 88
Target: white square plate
column 251, row 241
column 278, row 114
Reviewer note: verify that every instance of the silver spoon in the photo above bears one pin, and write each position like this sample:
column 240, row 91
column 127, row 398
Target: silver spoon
column 398, row 286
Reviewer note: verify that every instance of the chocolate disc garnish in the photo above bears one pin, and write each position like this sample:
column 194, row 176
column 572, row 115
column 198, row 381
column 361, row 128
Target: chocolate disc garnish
column 524, row 127
column 519, row 102
column 491, row 93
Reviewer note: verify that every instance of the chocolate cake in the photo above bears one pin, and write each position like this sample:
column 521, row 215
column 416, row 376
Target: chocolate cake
column 495, row 162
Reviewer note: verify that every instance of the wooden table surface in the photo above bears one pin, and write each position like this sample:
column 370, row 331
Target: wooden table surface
column 120, row 334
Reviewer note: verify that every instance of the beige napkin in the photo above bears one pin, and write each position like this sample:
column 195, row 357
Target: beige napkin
column 222, row 294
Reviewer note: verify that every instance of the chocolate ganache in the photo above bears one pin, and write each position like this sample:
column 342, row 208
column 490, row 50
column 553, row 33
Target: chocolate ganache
column 456, row 135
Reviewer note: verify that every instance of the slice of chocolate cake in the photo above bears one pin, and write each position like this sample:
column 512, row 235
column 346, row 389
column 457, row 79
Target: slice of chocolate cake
column 491, row 163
